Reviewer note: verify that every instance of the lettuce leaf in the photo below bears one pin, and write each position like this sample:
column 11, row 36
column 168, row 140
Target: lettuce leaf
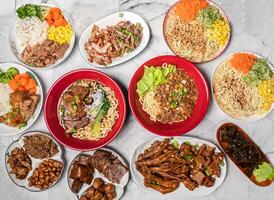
column 153, row 76
column 263, row 172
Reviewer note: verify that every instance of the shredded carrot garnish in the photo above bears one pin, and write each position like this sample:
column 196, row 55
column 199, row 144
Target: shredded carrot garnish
column 242, row 62
column 188, row 10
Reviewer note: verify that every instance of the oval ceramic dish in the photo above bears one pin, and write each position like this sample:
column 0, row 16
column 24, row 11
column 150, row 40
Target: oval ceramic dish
column 112, row 20
column 119, row 188
column 248, row 139
column 35, row 162
column 181, row 191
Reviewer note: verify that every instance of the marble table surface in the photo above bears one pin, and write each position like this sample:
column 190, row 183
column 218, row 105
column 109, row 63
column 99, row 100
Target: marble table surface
column 252, row 24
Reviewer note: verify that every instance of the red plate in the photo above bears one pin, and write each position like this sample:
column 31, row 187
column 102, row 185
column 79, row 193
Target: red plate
column 51, row 103
column 177, row 128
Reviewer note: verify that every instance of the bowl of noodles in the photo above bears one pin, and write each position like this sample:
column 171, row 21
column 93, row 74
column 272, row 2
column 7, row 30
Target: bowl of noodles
column 197, row 30
column 168, row 95
column 243, row 86
column 85, row 109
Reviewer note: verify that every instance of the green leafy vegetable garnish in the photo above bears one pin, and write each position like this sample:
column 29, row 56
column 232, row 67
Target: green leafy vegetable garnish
column 174, row 104
column 95, row 129
column 175, row 143
column 207, row 172
column 153, row 76
column 263, row 172
column 30, row 10
column 187, row 142
column 209, row 15
column 188, row 157
column 5, row 77
column 22, row 125
column 260, row 71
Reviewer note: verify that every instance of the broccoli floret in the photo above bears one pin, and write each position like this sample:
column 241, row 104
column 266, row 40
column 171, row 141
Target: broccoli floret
column 12, row 71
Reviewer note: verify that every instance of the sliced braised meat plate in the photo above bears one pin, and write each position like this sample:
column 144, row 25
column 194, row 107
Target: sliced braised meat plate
column 109, row 165
column 23, row 105
column 46, row 53
column 164, row 165
column 20, row 163
column 106, row 44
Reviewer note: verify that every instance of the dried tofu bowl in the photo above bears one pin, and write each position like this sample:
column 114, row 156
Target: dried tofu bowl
column 197, row 30
column 34, row 162
column 243, row 86
column 41, row 36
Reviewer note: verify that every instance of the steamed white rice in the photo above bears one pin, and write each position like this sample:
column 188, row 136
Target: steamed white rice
column 5, row 106
column 30, row 31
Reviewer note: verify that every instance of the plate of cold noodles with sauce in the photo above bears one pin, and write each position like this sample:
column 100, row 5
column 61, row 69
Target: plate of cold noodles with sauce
column 197, row 30
column 243, row 86
column 88, row 109
column 34, row 161
column 41, row 36
column 21, row 98
column 179, row 166
column 168, row 95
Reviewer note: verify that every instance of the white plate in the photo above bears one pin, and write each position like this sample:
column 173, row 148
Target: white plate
column 12, row 39
column 182, row 191
column 35, row 162
column 8, row 131
column 119, row 188
column 255, row 117
column 113, row 19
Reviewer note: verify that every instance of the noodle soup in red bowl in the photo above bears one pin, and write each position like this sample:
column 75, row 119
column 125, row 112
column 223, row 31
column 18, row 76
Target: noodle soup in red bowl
column 85, row 109
column 168, row 95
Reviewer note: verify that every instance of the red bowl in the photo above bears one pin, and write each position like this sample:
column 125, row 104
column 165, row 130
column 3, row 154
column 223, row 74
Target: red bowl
column 51, row 113
column 177, row 128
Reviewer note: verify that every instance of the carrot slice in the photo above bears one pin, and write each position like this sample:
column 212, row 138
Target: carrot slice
column 31, row 84
column 49, row 16
column 25, row 75
column 32, row 91
column 16, row 77
column 13, row 84
column 60, row 22
column 56, row 16
column 21, row 88
column 23, row 81
column 53, row 10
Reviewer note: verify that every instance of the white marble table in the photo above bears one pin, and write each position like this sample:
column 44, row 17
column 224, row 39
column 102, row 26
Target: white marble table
column 252, row 23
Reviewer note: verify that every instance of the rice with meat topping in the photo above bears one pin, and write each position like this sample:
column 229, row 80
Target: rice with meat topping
column 30, row 31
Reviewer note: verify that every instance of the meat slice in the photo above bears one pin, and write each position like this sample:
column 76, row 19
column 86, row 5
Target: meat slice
column 76, row 124
column 109, row 165
column 80, row 91
column 214, row 169
column 209, row 181
column 76, row 185
column 61, row 50
column 189, row 184
column 199, row 177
